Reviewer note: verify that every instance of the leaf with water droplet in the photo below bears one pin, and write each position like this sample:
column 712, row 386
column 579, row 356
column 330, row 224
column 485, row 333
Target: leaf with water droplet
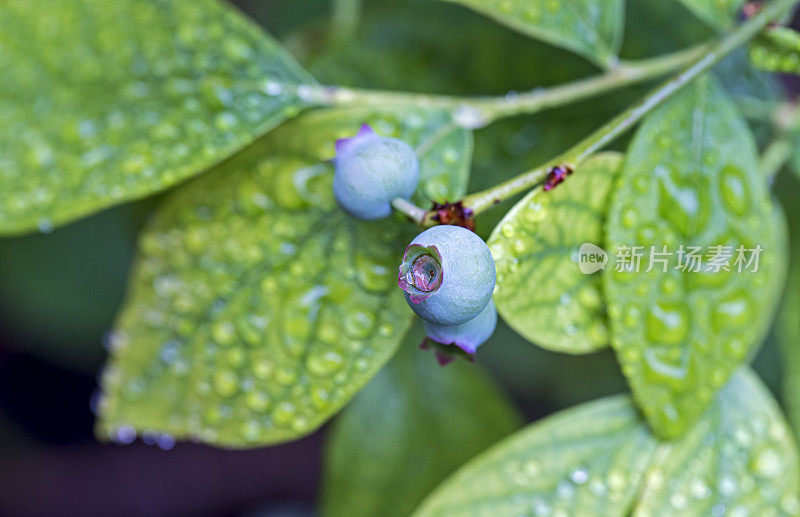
column 104, row 102
column 407, row 430
column 719, row 14
column 588, row 460
column 680, row 329
column 739, row 459
column 777, row 50
column 257, row 308
column 591, row 28
column 543, row 292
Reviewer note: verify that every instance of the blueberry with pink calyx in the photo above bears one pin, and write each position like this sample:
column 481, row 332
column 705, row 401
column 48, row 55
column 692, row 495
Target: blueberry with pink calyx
column 448, row 275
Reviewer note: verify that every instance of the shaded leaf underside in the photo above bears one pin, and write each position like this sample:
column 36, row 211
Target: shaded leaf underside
column 408, row 429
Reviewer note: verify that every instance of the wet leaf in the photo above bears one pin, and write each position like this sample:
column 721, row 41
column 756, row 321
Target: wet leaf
column 257, row 308
column 739, row 459
column 719, row 14
column 600, row 459
column 777, row 50
column 541, row 291
column 588, row 460
column 591, row 28
column 407, row 430
column 679, row 330
column 103, row 102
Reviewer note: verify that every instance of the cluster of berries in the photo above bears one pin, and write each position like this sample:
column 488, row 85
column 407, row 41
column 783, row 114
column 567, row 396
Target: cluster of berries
column 447, row 272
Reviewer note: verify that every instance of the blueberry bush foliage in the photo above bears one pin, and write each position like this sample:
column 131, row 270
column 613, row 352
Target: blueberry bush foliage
column 257, row 310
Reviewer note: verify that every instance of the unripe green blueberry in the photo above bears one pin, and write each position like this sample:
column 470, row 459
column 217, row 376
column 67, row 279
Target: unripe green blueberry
column 467, row 336
column 371, row 170
column 448, row 275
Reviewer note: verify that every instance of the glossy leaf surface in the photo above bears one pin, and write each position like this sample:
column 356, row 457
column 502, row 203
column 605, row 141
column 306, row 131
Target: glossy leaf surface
column 592, row 28
column 541, row 292
column 257, row 307
column 740, row 459
column 103, row 102
column 690, row 203
column 588, row 460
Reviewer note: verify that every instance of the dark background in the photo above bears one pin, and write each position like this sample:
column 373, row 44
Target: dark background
column 59, row 292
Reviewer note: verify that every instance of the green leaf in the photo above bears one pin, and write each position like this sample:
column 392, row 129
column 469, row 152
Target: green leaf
column 720, row 14
column 739, row 459
column 257, row 308
column 691, row 179
column 103, row 102
column 407, row 430
column 541, row 292
column 777, row 50
column 756, row 93
column 588, row 460
column 600, row 459
column 591, row 28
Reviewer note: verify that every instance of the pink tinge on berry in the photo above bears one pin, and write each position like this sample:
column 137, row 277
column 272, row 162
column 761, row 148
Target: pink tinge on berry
column 343, row 144
column 426, row 273
column 420, row 272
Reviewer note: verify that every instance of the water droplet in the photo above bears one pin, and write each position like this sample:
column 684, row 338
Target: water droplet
column 272, row 88
column 678, row 501
column 667, row 322
column 324, row 364
column 45, row 225
column 616, row 480
column 733, row 312
column 284, row 413
column 579, row 476
column 165, row 442
column 257, row 400
column 225, row 382
column 767, row 463
column 565, row 490
column 124, row 435
column 667, row 364
column 359, row 323
column 286, row 376
column 629, row 218
column 468, row 117
column 224, row 333
column 699, row 489
column 733, row 190
column 727, row 485
column 790, row 504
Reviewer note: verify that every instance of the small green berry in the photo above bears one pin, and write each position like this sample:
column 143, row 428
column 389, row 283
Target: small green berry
column 448, row 275
column 466, row 336
column 371, row 170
